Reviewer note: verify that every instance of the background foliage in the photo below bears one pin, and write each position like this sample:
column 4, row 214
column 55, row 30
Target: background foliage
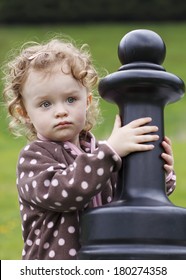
column 58, row 11
column 103, row 40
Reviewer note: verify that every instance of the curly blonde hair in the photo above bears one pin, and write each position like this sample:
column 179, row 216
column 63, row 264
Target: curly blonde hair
column 41, row 57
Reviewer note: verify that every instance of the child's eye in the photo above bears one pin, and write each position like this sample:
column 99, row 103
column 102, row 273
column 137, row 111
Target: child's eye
column 45, row 104
column 71, row 99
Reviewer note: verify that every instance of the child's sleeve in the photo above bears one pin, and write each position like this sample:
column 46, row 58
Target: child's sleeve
column 170, row 183
column 44, row 182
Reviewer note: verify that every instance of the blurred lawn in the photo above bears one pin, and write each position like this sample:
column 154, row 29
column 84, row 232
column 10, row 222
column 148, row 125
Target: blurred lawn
column 103, row 41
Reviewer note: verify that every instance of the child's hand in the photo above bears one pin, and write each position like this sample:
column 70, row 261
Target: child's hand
column 168, row 155
column 131, row 137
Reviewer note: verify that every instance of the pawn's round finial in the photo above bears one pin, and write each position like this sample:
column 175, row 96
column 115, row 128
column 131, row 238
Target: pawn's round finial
column 141, row 46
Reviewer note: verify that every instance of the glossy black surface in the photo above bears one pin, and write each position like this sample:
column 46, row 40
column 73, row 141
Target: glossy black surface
column 141, row 222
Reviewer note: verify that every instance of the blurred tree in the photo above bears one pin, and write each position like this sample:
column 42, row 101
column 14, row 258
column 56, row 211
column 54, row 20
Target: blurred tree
column 53, row 11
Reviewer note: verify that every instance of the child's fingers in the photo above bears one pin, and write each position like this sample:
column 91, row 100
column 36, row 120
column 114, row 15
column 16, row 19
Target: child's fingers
column 167, row 158
column 168, row 168
column 144, row 147
column 147, row 138
column 140, row 122
column 145, row 129
column 167, row 147
column 167, row 140
column 117, row 123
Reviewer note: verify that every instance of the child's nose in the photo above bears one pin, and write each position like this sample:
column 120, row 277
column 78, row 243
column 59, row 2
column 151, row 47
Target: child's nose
column 60, row 111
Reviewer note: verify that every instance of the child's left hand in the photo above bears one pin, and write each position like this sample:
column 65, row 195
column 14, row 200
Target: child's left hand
column 168, row 156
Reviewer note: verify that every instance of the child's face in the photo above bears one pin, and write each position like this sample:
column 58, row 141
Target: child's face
column 56, row 105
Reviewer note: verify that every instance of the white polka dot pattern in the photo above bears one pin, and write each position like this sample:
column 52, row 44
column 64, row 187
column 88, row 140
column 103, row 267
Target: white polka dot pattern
column 54, row 183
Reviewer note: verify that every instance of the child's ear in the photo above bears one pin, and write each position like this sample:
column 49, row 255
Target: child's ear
column 23, row 114
column 89, row 99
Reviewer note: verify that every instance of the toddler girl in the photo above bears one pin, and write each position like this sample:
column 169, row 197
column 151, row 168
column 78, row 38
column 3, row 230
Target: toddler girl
column 63, row 170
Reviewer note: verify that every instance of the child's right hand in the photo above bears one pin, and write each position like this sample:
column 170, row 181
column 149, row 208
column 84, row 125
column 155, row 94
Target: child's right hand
column 131, row 137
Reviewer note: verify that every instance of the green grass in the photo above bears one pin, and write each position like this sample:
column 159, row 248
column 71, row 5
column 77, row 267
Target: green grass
column 103, row 41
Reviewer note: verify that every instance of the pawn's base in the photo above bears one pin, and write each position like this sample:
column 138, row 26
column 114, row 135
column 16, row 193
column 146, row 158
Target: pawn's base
column 132, row 252
column 134, row 232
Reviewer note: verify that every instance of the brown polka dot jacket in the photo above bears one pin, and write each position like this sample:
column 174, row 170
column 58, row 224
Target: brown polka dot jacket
column 56, row 183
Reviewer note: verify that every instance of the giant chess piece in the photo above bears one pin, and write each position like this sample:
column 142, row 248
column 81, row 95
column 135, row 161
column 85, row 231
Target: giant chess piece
column 141, row 222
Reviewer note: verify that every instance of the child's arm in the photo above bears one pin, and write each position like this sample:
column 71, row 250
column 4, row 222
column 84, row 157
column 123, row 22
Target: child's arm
column 132, row 138
column 48, row 177
column 169, row 165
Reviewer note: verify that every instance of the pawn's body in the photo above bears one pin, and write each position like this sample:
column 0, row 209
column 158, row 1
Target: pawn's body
column 142, row 223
